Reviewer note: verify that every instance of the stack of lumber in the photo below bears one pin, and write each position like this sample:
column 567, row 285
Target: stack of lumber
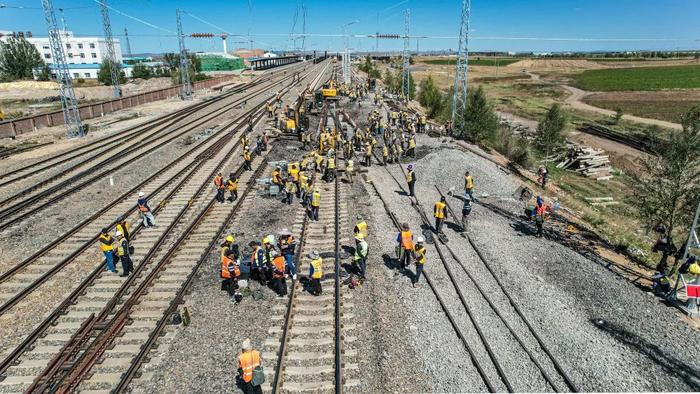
column 587, row 161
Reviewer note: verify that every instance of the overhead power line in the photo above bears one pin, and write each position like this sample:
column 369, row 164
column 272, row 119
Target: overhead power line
column 134, row 18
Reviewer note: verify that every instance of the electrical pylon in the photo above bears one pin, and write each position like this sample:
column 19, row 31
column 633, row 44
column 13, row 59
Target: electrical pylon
column 114, row 66
column 128, row 44
column 459, row 99
column 71, row 114
column 184, row 69
column 406, row 80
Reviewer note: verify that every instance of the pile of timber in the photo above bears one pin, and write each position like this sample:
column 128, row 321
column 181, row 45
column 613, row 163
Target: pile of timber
column 587, row 161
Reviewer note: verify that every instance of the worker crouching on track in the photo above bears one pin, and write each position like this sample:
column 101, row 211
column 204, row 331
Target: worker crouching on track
column 107, row 247
column 315, row 273
column 230, row 268
column 250, row 371
column 145, row 211
column 405, row 246
column 279, row 283
column 232, row 186
column 419, row 255
column 122, row 250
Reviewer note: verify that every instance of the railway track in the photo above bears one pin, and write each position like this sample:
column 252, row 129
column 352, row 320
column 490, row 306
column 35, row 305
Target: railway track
column 310, row 355
column 52, row 189
column 19, row 281
column 540, row 357
column 64, row 336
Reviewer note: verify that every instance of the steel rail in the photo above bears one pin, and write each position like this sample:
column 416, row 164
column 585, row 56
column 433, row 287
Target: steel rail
column 36, row 333
column 89, row 358
column 4, row 213
column 515, row 306
column 40, row 280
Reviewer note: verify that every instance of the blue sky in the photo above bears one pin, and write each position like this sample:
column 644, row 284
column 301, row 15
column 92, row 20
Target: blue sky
column 270, row 23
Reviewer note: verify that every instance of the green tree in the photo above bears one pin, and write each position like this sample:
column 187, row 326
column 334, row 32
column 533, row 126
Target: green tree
column 141, row 71
column 172, row 60
column 45, row 73
column 429, row 97
column 389, row 80
column 668, row 190
column 18, row 59
column 618, row 116
column 104, row 75
column 479, row 121
column 549, row 137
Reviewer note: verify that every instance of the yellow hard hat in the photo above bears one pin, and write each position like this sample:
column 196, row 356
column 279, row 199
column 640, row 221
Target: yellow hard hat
column 360, row 236
column 229, row 238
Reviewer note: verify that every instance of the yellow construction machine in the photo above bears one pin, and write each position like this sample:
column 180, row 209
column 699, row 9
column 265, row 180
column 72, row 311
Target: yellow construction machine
column 329, row 91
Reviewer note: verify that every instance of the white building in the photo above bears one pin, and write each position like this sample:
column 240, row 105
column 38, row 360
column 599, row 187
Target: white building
column 83, row 54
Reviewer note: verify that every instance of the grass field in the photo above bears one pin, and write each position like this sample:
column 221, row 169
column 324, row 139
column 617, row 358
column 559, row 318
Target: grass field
column 670, row 111
column 642, row 78
column 473, row 61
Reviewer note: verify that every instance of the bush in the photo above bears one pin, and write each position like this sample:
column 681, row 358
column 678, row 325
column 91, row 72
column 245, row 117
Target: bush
column 81, row 80
column 141, row 71
column 515, row 148
column 479, row 122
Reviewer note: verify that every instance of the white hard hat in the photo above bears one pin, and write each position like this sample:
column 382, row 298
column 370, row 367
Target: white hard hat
column 118, row 233
column 421, row 239
column 141, row 194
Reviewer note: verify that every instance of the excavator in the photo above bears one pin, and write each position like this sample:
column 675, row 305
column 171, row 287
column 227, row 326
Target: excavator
column 329, row 91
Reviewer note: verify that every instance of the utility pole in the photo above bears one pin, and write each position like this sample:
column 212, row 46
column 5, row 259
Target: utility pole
column 693, row 234
column 303, row 29
column 459, row 100
column 405, row 88
column 71, row 114
column 63, row 20
column 346, row 53
column 114, row 67
column 184, row 69
column 128, row 44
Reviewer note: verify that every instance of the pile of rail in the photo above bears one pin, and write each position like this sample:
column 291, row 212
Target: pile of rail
column 587, row 161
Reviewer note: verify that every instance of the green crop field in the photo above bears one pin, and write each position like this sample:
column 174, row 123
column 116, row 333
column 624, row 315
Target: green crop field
column 474, row 61
column 641, row 78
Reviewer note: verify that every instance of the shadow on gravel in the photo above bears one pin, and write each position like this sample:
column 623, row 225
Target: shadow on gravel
column 393, row 264
column 672, row 365
column 401, row 193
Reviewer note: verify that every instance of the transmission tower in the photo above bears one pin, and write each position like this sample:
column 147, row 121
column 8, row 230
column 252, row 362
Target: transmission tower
column 114, row 67
column 405, row 88
column 128, row 44
column 303, row 29
column 184, row 69
column 71, row 114
column 693, row 240
column 459, row 100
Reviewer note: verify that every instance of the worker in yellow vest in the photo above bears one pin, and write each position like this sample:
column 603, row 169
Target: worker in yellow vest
column 419, row 254
column 106, row 243
column 248, row 362
column 247, row 159
column 468, row 186
column 232, row 186
column 315, row 203
column 411, row 151
column 411, row 180
column 315, row 273
column 360, row 226
column 439, row 212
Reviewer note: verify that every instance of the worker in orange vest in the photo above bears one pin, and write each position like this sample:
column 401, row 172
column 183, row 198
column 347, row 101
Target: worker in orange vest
column 542, row 210
column 405, row 247
column 220, row 187
column 230, row 266
column 248, row 361
column 439, row 213
column 279, row 283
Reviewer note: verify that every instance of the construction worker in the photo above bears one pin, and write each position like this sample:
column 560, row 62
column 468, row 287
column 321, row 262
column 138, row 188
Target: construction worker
column 145, row 211
column 232, row 186
column 368, row 154
column 122, row 250
column 411, row 180
column 315, row 273
column 248, row 361
column 439, row 212
column 466, row 210
column 468, row 185
column 230, row 265
column 411, row 151
column 419, row 254
column 303, row 186
column 287, row 247
column 290, row 189
column 220, row 187
column 360, row 226
column 269, row 252
column 268, row 107
column 349, row 170
column 330, row 168
column 541, row 212
column 361, row 251
column 107, row 247
column 315, row 203
column 422, row 124
column 385, row 154
column 276, row 178
column 123, row 227
column 405, row 246
column 542, row 176
column 256, row 262
column 247, row 159
column 279, row 283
